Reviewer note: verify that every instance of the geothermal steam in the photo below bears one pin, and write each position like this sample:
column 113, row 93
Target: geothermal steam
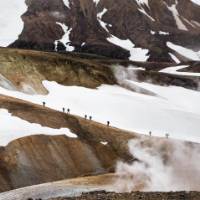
column 161, row 165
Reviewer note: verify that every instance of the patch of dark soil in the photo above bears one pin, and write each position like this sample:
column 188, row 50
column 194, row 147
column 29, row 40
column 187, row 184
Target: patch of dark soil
column 137, row 196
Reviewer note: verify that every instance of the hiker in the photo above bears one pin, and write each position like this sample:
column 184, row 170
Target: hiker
column 44, row 104
column 68, row 110
column 90, row 117
column 108, row 123
column 167, row 135
column 85, row 116
column 64, row 110
column 150, row 133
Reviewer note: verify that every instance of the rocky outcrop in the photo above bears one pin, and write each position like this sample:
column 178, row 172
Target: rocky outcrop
column 24, row 70
column 148, row 26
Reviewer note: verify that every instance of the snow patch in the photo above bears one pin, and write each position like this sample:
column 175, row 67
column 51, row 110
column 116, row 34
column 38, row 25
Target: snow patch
column 66, row 2
column 65, row 39
column 188, row 53
column 196, row 2
column 145, row 13
column 195, row 23
column 14, row 128
column 163, row 33
column 143, row 2
column 104, row 143
column 5, row 83
column 137, row 54
column 96, row 2
column 11, row 24
column 99, row 18
column 174, row 58
column 152, row 32
column 176, row 15
column 173, row 110
column 174, row 70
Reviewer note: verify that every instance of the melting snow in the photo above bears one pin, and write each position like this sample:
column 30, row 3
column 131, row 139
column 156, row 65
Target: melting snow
column 143, row 2
column 11, row 24
column 152, row 32
column 66, row 2
column 4, row 82
column 163, row 33
column 99, row 18
column 174, row 58
column 188, row 53
column 65, row 39
column 195, row 23
column 145, row 13
column 174, row 70
column 137, row 54
column 104, row 143
column 14, row 127
column 176, row 15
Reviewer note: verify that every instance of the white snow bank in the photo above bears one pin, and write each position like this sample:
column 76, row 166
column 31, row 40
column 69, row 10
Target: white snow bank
column 11, row 24
column 137, row 54
column 188, row 53
column 174, row 70
column 174, row 110
column 65, row 39
column 13, row 128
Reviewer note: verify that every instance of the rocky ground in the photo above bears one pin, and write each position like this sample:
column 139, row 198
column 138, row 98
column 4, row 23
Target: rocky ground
column 137, row 196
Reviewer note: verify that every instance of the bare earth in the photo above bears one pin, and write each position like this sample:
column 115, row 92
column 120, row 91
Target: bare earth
column 136, row 196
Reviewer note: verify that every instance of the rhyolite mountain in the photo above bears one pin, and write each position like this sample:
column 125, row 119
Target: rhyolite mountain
column 88, row 26
column 99, row 93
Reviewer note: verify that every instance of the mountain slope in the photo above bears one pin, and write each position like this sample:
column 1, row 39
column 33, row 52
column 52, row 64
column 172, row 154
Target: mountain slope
column 149, row 98
column 90, row 85
column 140, row 30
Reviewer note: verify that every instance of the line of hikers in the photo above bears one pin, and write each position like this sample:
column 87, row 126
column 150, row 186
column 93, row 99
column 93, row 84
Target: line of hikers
column 90, row 118
column 166, row 135
column 68, row 112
